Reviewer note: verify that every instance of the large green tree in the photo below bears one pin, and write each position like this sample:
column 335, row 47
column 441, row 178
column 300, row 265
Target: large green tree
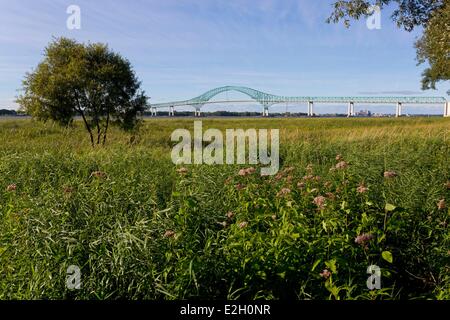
column 433, row 47
column 86, row 80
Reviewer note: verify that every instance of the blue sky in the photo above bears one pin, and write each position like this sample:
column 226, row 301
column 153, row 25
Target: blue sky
column 182, row 48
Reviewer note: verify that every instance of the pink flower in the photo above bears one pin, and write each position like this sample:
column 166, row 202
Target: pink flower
column 283, row 192
column 182, row 171
column 169, row 234
column 247, row 171
column 230, row 215
column 243, row 224
column 364, row 238
column 362, row 189
column 301, row 185
column 98, row 174
column 240, row 186
column 325, row 274
column 342, row 165
column 330, row 196
column 11, row 187
column 441, row 204
column 319, row 202
column 390, row 174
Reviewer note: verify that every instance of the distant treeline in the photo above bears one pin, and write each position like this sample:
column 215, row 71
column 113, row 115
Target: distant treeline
column 11, row 113
column 224, row 114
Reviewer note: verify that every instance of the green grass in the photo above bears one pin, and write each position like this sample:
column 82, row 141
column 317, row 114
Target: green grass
column 114, row 227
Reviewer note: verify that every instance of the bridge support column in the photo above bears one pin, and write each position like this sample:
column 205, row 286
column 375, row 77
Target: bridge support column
column 447, row 109
column 171, row 111
column 310, row 109
column 197, row 112
column 398, row 112
column 266, row 111
column 351, row 109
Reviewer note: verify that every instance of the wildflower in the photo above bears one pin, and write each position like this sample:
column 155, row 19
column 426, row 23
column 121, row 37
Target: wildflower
column 364, row 238
column 309, row 168
column 230, row 215
column 228, row 180
column 319, row 202
column 11, row 187
column 288, row 169
column 246, row 172
column 98, row 174
column 362, row 189
column 239, row 186
column 182, row 171
column 283, row 192
column 342, row 165
column 447, row 184
column 390, row 174
column 441, row 204
column 274, row 217
column 327, row 184
column 301, row 185
column 289, row 179
column 68, row 190
column 169, row 234
column 223, row 224
column 339, row 157
column 308, row 177
column 279, row 176
column 330, row 196
column 325, row 274
column 243, row 224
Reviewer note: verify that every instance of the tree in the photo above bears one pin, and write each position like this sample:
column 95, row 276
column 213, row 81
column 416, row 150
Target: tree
column 90, row 81
column 434, row 47
column 433, row 15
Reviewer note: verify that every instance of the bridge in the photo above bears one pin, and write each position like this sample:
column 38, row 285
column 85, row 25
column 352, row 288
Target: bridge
column 267, row 100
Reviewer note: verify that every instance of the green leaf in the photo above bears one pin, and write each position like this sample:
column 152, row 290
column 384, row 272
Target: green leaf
column 387, row 255
column 389, row 207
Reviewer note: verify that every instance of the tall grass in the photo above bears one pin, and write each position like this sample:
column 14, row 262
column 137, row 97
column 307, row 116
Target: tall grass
column 138, row 229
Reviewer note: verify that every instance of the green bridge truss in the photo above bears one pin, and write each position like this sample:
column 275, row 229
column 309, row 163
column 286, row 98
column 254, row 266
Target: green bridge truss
column 267, row 100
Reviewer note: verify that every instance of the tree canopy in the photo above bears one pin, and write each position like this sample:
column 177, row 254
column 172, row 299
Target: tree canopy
column 87, row 80
column 433, row 15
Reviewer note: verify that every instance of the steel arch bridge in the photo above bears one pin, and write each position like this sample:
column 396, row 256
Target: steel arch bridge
column 267, row 100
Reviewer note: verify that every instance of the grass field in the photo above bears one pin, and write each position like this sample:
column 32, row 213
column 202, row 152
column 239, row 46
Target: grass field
column 138, row 229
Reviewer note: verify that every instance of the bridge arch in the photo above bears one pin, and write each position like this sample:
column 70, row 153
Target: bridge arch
column 264, row 98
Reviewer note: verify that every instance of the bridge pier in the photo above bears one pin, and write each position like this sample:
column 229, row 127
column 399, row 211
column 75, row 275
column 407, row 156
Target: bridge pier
column 398, row 111
column 153, row 112
column 447, row 109
column 171, row 111
column 310, row 109
column 197, row 112
column 266, row 111
column 351, row 110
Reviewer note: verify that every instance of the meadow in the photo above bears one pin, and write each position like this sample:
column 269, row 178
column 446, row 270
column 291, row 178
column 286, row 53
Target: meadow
column 350, row 193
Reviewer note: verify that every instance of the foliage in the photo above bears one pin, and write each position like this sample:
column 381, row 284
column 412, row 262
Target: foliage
column 90, row 81
column 434, row 46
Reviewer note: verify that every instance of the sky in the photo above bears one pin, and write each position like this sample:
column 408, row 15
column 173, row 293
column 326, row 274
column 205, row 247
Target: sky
column 182, row 48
